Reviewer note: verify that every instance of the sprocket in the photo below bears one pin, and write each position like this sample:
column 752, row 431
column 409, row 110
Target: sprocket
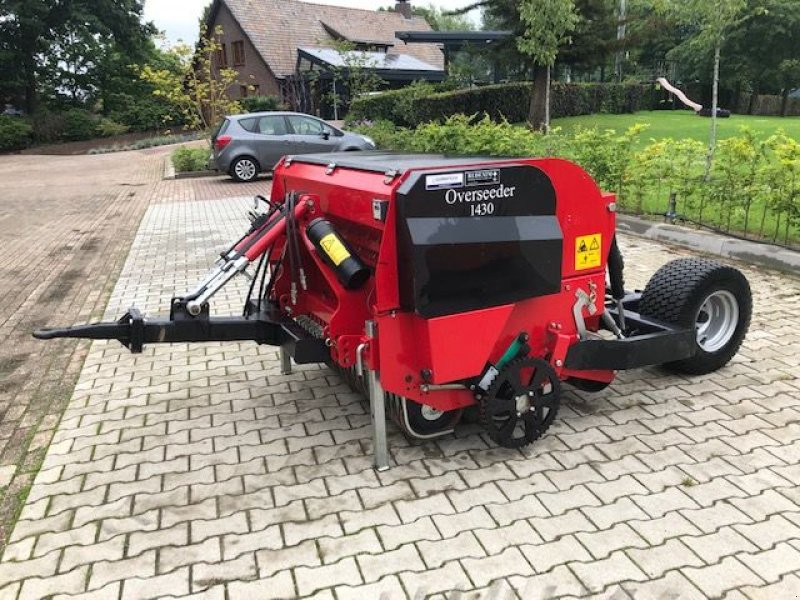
column 521, row 403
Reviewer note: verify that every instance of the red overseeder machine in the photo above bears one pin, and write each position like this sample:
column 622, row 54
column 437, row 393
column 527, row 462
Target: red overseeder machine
column 436, row 284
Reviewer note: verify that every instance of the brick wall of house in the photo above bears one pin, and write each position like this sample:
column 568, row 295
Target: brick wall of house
column 253, row 71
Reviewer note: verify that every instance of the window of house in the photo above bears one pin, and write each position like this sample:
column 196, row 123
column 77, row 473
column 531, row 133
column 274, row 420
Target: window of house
column 243, row 91
column 238, row 54
column 256, row 89
column 222, row 56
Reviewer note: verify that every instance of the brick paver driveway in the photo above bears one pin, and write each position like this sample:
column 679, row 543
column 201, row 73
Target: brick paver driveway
column 202, row 470
column 66, row 224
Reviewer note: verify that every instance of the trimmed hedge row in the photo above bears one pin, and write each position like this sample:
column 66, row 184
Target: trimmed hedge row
column 767, row 105
column 508, row 101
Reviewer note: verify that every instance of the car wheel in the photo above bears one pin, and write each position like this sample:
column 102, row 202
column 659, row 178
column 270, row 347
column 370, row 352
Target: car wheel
column 245, row 169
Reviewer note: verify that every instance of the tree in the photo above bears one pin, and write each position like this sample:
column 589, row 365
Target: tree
column 761, row 49
column 547, row 26
column 713, row 19
column 32, row 30
column 199, row 89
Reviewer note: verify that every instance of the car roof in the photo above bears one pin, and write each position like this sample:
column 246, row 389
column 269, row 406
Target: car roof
column 263, row 113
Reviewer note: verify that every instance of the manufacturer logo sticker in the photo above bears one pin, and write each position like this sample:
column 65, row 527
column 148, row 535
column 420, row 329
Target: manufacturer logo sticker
column 483, row 177
column 444, row 181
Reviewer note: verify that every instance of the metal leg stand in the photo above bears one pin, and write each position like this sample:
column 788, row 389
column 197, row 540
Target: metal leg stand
column 377, row 409
column 286, row 362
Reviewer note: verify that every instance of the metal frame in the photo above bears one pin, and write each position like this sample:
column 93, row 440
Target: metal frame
column 377, row 410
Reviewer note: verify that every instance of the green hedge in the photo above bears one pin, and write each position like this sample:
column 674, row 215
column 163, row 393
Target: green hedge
column 767, row 106
column 509, row 101
column 189, row 160
column 15, row 133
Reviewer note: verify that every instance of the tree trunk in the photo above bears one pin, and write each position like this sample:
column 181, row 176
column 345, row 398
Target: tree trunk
column 537, row 115
column 712, row 138
column 29, row 67
column 784, row 101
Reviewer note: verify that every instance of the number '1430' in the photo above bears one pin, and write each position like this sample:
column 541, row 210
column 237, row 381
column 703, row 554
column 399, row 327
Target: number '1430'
column 481, row 210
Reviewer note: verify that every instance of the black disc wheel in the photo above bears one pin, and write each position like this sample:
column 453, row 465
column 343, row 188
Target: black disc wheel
column 712, row 298
column 521, row 403
column 424, row 420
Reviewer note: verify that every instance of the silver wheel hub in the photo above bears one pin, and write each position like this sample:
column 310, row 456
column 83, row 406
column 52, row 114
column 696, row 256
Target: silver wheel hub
column 245, row 169
column 430, row 414
column 717, row 320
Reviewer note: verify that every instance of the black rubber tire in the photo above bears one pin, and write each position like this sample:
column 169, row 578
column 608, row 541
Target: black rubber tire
column 238, row 177
column 424, row 426
column 678, row 290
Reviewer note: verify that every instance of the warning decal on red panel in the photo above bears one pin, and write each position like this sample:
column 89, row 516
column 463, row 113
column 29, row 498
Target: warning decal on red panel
column 588, row 251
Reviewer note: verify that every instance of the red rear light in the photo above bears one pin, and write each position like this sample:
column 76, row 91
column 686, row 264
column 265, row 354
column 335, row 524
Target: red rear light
column 222, row 142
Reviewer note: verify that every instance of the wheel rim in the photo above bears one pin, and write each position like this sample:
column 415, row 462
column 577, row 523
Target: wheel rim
column 717, row 320
column 245, row 169
column 430, row 414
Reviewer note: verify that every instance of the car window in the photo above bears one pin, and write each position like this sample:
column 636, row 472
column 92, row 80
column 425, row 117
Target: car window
column 222, row 128
column 249, row 124
column 308, row 126
column 274, row 125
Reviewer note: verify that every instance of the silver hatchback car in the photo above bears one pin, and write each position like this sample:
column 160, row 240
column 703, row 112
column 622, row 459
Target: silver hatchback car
column 246, row 145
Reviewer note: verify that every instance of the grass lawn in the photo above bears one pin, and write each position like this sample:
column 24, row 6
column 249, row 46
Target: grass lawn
column 681, row 124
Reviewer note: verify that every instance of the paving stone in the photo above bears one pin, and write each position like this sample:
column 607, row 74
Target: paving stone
column 449, row 578
column 599, row 574
column 656, row 561
column 766, row 534
column 393, row 536
column 334, row 549
column 279, row 586
column 375, row 566
column 382, row 515
column 726, row 575
column 172, row 557
column 771, row 565
column 311, row 579
column 104, row 572
column 67, row 583
column 500, row 538
column 782, row 589
column 235, row 523
column 673, row 585
column 205, row 575
column 387, row 588
column 547, row 555
column 435, row 554
column 175, row 584
column 559, row 582
column 603, row 543
column 622, row 510
column 271, row 562
column 483, row 571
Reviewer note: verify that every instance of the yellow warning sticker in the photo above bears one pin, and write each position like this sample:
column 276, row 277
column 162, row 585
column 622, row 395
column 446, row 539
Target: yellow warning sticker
column 334, row 249
column 588, row 251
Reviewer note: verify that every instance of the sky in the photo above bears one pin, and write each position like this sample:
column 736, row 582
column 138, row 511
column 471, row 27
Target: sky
column 178, row 18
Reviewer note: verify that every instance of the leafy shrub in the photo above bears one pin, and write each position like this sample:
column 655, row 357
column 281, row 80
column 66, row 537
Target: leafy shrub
column 397, row 106
column 48, row 127
column 510, row 101
column 143, row 113
column 261, row 103
column 15, row 133
column 187, row 160
column 79, row 125
column 108, row 128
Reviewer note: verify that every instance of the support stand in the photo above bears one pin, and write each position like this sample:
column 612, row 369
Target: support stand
column 377, row 409
column 286, row 361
